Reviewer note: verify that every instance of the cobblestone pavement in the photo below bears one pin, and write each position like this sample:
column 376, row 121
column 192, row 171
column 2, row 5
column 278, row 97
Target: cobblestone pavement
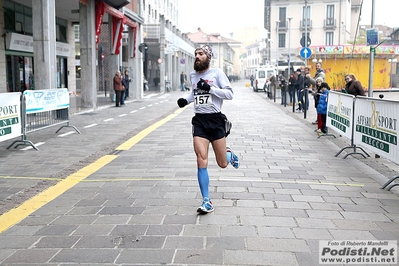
column 124, row 192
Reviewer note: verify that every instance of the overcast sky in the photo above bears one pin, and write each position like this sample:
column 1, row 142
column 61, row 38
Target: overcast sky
column 223, row 16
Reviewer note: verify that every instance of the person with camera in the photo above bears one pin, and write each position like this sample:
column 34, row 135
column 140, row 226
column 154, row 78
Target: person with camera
column 209, row 124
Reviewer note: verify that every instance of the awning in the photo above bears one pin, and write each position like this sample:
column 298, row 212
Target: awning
column 118, row 20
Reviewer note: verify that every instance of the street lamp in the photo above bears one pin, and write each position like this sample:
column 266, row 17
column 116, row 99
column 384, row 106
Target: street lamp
column 391, row 60
column 277, row 30
column 289, row 46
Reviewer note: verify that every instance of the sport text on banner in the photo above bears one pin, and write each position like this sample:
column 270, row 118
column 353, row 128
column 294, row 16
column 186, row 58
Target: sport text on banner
column 10, row 115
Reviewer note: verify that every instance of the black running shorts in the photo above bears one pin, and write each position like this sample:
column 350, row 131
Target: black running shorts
column 209, row 126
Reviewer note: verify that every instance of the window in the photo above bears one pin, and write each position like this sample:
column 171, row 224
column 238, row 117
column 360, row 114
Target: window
column 330, row 15
column 61, row 29
column 281, row 40
column 329, row 38
column 282, row 16
column 306, row 16
column 76, row 29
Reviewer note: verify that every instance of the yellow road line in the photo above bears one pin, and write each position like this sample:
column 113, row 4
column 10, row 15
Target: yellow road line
column 135, row 139
column 187, row 179
column 14, row 216
column 17, row 214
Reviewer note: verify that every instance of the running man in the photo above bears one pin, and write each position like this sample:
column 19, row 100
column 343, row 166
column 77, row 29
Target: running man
column 210, row 87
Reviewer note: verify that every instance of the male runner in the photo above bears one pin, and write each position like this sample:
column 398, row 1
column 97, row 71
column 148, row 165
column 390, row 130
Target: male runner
column 210, row 87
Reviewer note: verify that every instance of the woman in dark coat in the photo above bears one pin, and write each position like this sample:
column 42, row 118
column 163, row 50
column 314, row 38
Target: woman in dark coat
column 118, row 88
column 353, row 86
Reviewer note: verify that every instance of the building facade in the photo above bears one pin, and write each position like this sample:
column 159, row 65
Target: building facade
column 329, row 28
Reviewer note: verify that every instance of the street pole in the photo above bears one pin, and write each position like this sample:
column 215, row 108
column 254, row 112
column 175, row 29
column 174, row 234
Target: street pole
column 372, row 54
column 306, row 28
column 289, row 60
column 289, row 47
column 275, row 86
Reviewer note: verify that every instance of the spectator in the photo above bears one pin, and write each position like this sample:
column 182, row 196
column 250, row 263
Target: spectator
column 322, row 109
column 125, row 82
column 316, row 95
column 283, row 86
column 353, row 86
column 183, row 80
column 252, row 78
column 291, row 87
column 299, row 89
column 118, row 88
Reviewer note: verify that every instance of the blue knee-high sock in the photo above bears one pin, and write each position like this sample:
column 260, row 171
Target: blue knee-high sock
column 203, row 181
column 228, row 156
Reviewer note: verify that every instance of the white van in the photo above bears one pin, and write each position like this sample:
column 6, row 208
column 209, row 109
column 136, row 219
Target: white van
column 261, row 75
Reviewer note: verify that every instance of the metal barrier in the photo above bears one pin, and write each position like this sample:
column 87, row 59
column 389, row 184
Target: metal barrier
column 42, row 109
column 368, row 122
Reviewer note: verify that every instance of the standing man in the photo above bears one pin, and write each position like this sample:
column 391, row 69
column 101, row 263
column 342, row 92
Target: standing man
column 182, row 81
column 210, row 87
column 252, row 78
column 125, row 81
column 307, row 82
column 299, row 89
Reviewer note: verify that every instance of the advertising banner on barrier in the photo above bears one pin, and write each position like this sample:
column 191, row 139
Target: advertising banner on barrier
column 376, row 126
column 10, row 115
column 340, row 113
column 46, row 100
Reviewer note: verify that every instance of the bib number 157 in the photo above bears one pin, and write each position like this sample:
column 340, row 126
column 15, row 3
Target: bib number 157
column 202, row 100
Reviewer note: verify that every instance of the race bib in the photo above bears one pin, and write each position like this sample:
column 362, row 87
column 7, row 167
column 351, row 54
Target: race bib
column 203, row 99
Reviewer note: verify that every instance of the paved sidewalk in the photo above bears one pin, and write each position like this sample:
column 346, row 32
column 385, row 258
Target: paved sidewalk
column 135, row 203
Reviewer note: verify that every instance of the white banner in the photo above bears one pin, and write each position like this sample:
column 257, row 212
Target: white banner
column 340, row 113
column 10, row 115
column 376, row 126
column 46, row 100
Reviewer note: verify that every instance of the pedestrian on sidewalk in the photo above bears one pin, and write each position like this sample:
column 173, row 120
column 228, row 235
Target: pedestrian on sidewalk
column 316, row 95
column 299, row 89
column 291, row 87
column 125, row 82
column 322, row 109
column 183, row 80
column 283, row 87
column 210, row 125
column 118, row 88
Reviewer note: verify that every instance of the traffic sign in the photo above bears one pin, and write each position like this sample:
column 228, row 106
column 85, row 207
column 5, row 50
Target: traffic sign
column 160, row 61
column 305, row 52
column 372, row 37
column 182, row 61
column 302, row 41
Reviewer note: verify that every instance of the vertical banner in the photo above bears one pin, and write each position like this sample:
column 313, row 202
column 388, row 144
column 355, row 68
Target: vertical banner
column 117, row 31
column 340, row 113
column 10, row 115
column 376, row 126
column 99, row 19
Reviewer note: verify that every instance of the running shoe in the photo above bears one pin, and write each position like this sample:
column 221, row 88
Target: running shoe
column 234, row 158
column 206, row 206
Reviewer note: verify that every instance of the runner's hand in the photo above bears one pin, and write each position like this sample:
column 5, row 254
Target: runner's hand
column 182, row 102
column 203, row 85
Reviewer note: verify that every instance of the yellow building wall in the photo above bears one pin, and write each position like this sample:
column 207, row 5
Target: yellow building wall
column 336, row 69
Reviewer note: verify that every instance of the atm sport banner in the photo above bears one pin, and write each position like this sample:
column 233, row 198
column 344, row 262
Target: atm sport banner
column 10, row 115
column 376, row 126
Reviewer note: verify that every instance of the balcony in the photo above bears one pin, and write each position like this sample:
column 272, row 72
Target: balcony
column 330, row 24
column 306, row 23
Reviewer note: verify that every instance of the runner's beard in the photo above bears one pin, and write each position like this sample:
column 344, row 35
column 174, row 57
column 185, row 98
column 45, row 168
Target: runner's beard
column 201, row 65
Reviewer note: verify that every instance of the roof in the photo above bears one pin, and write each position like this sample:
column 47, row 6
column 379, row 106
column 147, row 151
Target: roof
column 202, row 37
